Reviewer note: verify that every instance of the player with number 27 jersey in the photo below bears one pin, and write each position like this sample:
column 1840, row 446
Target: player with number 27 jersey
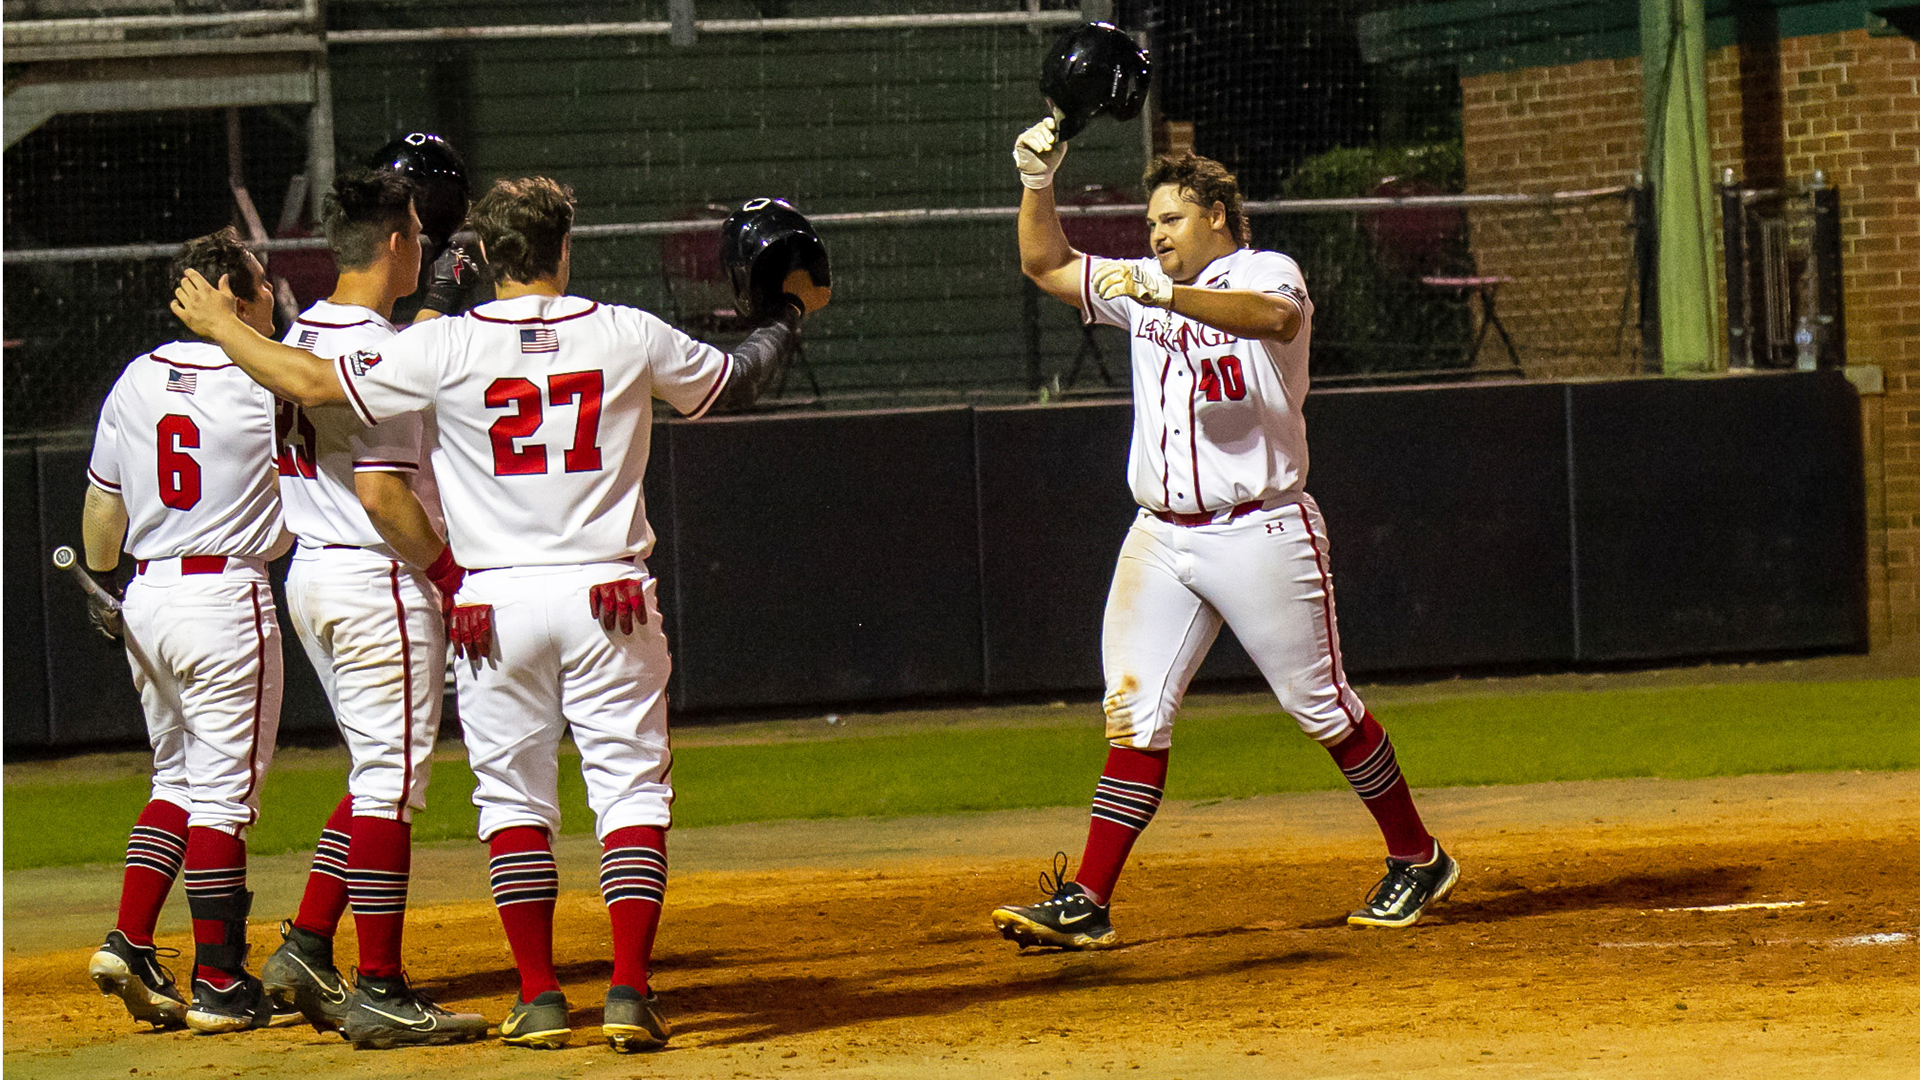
column 544, row 407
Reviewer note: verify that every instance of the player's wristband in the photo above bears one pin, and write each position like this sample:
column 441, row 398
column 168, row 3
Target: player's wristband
column 446, row 574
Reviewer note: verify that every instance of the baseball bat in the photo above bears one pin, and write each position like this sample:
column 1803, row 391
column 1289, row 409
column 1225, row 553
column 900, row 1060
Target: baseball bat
column 64, row 558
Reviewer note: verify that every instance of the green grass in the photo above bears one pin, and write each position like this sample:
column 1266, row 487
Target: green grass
column 1222, row 752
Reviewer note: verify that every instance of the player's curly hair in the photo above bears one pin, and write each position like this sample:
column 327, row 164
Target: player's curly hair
column 523, row 224
column 216, row 254
column 1203, row 181
column 362, row 210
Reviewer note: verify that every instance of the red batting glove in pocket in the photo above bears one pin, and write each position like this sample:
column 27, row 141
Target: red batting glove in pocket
column 470, row 628
column 623, row 601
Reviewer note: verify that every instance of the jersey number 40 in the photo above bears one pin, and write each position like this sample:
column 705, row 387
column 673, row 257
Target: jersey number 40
column 523, row 397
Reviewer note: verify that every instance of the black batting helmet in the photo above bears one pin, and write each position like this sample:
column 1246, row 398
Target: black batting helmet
column 1094, row 68
column 439, row 177
column 761, row 244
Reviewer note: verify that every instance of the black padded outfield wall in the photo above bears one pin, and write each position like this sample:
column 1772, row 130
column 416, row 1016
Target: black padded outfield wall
column 1718, row 516
column 828, row 559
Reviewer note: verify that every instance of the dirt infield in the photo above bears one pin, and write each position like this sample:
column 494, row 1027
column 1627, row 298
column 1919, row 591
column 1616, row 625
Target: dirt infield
column 1574, row 947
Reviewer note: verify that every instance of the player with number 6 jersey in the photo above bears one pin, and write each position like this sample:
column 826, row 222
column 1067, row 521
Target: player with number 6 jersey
column 1226, row 535
column 542, row 404
column 182, row 479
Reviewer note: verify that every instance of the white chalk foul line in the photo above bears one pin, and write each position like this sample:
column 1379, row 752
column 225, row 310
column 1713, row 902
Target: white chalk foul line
column 1898, row 937
column 1876, row 939
column 1771, row 905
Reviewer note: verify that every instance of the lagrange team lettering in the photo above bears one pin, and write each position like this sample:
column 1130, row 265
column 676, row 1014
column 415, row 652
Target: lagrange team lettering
column 1176, row 334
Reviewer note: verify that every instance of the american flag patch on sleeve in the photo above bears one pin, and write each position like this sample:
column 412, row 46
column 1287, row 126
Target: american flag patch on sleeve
column 181, row 382
column 544, row 339
column 309, row 338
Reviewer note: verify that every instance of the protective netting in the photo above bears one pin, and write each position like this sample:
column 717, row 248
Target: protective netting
column 929, row 303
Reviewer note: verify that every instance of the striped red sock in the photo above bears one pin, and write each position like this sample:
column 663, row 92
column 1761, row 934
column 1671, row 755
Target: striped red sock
column 525, row 885
column 326, row 896
column 1123, row 803
column 633, row 880
column 1366, row 757
column 155, row 849
column 378, row 863
column 216, row 867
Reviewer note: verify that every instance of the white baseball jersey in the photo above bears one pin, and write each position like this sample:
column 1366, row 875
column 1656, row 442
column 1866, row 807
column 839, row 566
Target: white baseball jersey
column 186, row 440
column 1216, row 419
column 321, row 449
column 543, row 408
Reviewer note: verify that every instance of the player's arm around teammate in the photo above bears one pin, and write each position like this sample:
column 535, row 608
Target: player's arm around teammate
column 181, row 477
column 1227, row 534
column 557, row 625
column 364, row 595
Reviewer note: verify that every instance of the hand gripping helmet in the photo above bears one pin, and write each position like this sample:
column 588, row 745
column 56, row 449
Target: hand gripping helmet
column 761, row 244
column 1094, row 68
column 439, row 176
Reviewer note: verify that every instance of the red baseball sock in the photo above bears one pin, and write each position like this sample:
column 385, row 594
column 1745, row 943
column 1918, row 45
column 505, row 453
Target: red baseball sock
column 1366, row 757
column 1123, row 803
column 155, row 848
column 378, row 863
column 216, row 866
column 525, row 885
column 326, row 895
column 633, row 879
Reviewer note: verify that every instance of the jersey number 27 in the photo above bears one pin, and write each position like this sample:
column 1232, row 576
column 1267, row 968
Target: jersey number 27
column 524, row 398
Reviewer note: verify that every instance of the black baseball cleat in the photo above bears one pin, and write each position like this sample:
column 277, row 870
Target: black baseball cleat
column 540, row 1024
column 300, row 975
column 133, row 974
column 241, row 1006
column 632, row 1022
column 385, row 1013
column 1404, row 894
column 1069, row 919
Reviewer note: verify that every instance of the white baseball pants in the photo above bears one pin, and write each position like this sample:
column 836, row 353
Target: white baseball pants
column 205, row 654
column 554, row 666
column 1266, row 575
column 372, row 628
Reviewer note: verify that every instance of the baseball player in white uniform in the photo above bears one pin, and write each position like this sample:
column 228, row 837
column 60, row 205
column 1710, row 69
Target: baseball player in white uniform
column 543, row 406
column 181, row 478
column 365, row 595
column 1226, row 531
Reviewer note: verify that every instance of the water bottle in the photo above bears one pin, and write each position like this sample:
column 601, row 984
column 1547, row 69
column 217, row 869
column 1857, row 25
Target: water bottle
column 1806, row 358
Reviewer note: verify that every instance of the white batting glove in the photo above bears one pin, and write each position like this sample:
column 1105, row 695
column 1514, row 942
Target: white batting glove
column 1037, row 152
column 1143, row 281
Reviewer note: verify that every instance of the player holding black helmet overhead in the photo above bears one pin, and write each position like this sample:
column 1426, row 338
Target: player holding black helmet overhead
column 1226, row 534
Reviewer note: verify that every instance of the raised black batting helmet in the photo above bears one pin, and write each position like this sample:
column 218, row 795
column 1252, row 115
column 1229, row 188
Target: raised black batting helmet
column 438, row 174
column 761, row 244
column 1094, row 68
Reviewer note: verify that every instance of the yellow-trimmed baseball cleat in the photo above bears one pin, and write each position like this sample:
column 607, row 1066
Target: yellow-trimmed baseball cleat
column 1408, row 890
column 540, row 1024
column 1069, row 919
column 632, row 1023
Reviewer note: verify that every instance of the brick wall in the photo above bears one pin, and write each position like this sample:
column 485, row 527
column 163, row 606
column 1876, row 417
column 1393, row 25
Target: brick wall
column 1850, row 106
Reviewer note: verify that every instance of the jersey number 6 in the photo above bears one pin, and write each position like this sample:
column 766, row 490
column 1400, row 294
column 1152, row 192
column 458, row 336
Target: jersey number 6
column 524, row 397
column 179, row 473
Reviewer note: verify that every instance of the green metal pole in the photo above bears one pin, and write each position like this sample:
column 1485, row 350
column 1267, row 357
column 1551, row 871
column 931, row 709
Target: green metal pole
column 1679, row 165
